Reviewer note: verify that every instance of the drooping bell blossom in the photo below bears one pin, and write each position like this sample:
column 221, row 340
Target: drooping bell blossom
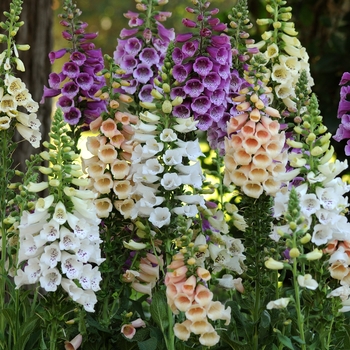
column 78, row 81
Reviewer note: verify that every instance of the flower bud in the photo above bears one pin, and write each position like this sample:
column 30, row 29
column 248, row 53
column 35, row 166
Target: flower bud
column 167, row 107
column 272, row 264
column 305, row 239
column 294, row 253
column 316, row 254
column 263, row 21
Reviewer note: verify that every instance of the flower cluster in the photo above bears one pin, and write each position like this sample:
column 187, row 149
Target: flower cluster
column 202, row 69
column 14, row 95
column 59, row 240
column 141, row 55
column 285, row 67
column 78, row 81
column 185, row 294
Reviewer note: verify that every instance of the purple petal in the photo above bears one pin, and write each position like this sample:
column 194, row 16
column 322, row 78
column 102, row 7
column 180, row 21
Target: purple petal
column 132, row 87
column 181, row 111
column 201, row 105
column 345, row 78
column 149, row 56
column 54, row 80
column 193, row 87
column 347, row 148
column 70, row 89
column 143, row 73
column 165, row 34
column 345, row 120
column 177, row 91
column 124, row 33
column 217, row 112
column 133, row 46
column 78, row 58
column 203, row 66
column 65, row 103
column 49, row 93
column 217, row 97
column 53, row 55
column 212, row 81
column 177, row 55
column 180, row 72
column 128, row 63
column 180, row 38
column 204, row 122
column 84, row 81
column 72, row 116
column 70, row 69
column 145, row 93
column 190, row 47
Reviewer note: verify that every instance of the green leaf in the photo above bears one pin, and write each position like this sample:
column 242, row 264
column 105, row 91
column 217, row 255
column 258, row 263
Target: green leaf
column 10, row 317
column 234, row 344
column 285, row 341
column 149, row 344
column 159, row 309
column 265, row 319
column 27, row 330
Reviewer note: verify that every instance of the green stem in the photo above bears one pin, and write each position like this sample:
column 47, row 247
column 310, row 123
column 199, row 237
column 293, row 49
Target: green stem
column 300, row 318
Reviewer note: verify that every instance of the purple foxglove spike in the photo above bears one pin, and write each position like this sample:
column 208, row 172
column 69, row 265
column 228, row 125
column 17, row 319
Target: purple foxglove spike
column 201, row 105
column 85, row 81
column 73, row 116
column 83, row 25
column 180, row 72
column 193, row 88
column 131, row 89
column 202, row 66
column 205, row 33
column 78, row 58
column 165, row 34
column 79, row 31
column 177, row 91
column 180, row 38
column 54, row 81
column 225, row 85
column 145, row 93
column 132, row 46
column 212, row 81
column 49, row 93
column 143, row 73
column 70, row 69
column 190, row 47
column 149, row 56
column 177, row 55
column 70, row 89
column 181, row 111
column 205, row 121
column 128, row 32
column 66, row 35
column 53, row 55
column 188, row 23
column 65, row 103
column 200, row 18
column 345, row 78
